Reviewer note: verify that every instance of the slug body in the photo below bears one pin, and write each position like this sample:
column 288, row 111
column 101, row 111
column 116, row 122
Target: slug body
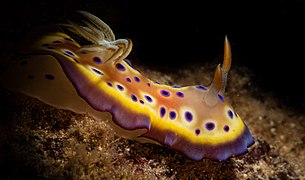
column 194, row 120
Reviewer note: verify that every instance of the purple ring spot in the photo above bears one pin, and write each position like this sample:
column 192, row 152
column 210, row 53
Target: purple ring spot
column 137, row 79
column 176, row 86
column 148, row 84
column 68, row 53
column 226, row 128
column 165, row 93
column 162, row 112
column 180, row 94
column 201, row 87
column 109, row 84
column 210, row 126
column 120, row 67
column 188, row 116
column 97, row 71
column 148, row 98
column 128, row 79
column 121, row 88
column 172, row 115
column 197, row 131
column 156, row 82
column 142, row 102
column 221, row 98
column 230, row 113
column 134, row 98
column 97, row 60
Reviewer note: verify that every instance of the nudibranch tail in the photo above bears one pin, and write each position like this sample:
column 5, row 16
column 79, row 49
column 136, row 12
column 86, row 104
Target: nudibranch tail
column 96, row 78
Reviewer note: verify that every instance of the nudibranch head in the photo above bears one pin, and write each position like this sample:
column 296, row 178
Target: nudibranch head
column 198, row 121
column 194, row 120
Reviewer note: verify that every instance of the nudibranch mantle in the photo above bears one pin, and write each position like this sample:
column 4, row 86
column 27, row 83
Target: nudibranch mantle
column 194, row 120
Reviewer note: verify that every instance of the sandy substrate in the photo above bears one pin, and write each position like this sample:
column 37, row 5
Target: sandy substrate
column 38, row 141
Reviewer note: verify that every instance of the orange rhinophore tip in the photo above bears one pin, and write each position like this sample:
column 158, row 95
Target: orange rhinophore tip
column 227, row 57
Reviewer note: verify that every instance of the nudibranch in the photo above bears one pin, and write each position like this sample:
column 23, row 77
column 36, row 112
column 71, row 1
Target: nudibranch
column 196, row 121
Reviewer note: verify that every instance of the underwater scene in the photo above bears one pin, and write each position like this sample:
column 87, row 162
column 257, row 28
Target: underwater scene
column 152, row 90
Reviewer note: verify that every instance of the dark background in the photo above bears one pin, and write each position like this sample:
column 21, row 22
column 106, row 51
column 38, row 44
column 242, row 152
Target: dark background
column 267, row 37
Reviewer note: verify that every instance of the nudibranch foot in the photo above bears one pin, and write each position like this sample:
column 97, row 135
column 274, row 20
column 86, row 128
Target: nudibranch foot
column 197, row 151
column 93, row 78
